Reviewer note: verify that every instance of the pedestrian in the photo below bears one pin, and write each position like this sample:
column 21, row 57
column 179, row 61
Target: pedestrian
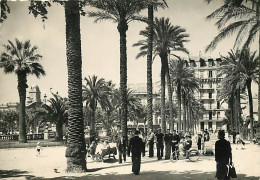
column 239, row 140
column 175, row 140
column 92, row 150
column 188, row 145
column 151, row 143
column 223, row 156
column 199, row 141
column 38, row 148
column 135, row 147
column 122, row 147
column 159, row 144
column 167, row 140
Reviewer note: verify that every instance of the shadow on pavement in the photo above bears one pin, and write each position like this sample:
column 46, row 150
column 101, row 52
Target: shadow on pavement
column 14, row 173
column 155, row 175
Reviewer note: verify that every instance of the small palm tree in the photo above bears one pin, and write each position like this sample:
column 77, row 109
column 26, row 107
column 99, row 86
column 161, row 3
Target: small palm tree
column 57, row 113
column 22, row 59
column 121, row 12
column 166, row 36
column 96, row 91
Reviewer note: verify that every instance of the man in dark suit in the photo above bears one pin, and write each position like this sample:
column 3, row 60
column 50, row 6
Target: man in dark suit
column 121, row 146
column 135, row 146
column 223, row 156
column 159, row 144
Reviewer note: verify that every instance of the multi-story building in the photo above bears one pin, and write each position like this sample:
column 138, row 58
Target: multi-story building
column 207, row 71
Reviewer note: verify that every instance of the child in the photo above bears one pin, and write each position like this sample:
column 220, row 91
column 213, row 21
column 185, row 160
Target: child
column 38, row 148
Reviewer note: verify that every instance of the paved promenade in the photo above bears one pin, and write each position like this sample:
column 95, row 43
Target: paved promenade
column 24, row 164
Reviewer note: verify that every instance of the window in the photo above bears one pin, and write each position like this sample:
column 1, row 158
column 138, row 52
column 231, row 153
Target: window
column 210, row 85
column 210, row 95
column 210, row 74
column 218, row 115
column 210, row 125
column 210, row 115
column 218, row 105
column 210, row 105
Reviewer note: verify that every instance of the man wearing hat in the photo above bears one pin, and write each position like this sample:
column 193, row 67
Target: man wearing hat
column 121, row 146
column 135, row 146
column 223, row 155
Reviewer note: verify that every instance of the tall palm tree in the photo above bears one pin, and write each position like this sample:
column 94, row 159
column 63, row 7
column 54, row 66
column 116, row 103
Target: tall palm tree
column 243, row 19
column 22, row 59
column 243, row 72
column 76, row 147
column 57, row 112
column 121, row 12
column 183, row 78
column 96, row 91
column 166, row 36
column 151, row 4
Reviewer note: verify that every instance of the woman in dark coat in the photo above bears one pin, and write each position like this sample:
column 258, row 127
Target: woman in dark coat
column 135, row 146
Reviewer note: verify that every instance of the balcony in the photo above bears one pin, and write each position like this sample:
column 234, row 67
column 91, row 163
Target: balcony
column 206, row 89
column 207, row 99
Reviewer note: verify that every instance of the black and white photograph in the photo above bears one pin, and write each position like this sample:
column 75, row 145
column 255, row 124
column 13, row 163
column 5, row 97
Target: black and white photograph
column 130, row 89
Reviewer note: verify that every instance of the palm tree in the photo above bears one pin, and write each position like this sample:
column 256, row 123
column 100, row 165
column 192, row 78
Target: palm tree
column 121, row 12
column 96, row 91
column 245, row 67
column 151, row 4
column 57, row 113
column 76, row 147
column 166, row 36
column 22, row 59
column 246, row 22
column 183, row 78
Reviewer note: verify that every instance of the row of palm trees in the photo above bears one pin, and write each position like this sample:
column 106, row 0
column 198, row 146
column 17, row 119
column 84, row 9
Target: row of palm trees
column 121, row 12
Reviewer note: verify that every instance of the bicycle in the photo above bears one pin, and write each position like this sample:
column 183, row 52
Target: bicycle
column 193, row 155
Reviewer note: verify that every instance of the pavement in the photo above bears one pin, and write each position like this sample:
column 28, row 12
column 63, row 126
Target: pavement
column 23, row 163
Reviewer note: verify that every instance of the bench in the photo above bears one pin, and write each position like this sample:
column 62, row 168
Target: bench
column 110, row 152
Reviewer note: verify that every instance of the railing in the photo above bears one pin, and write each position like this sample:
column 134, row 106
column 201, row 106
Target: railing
column 16, row 137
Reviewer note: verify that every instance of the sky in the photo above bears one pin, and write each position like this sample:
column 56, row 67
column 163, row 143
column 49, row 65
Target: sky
column 100, row 44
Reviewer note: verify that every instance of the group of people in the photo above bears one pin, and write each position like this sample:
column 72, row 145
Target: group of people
column 168, row 142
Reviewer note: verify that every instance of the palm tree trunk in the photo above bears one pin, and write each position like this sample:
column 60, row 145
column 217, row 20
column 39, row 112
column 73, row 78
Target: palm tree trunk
column 188, row 116
column 149, row 68
column 258, row 22
column 22, row 85
column 76, row 147
column 122, row 28
column 179, row 106
column 238, row 109
column 163, row 70
column 59, row 130
column 184, row 111
column 248, row 85
column 92, row 123
column 170, row 97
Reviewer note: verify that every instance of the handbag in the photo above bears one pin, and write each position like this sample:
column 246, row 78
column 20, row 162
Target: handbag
column 232, row 171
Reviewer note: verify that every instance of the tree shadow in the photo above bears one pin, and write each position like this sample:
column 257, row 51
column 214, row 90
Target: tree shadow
column 14, row 173
column 155, row 175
